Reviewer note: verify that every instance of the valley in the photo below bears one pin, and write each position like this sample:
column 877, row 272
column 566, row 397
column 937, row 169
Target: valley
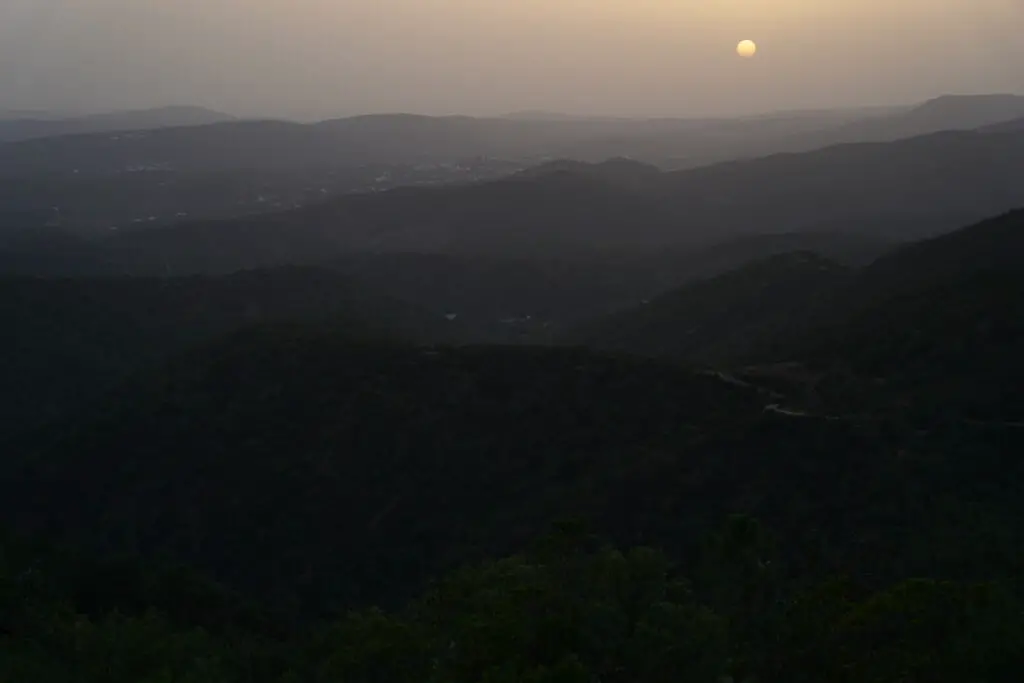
column 446, row 399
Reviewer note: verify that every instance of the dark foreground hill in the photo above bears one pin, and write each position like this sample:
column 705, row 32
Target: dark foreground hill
column 67, row 342
column 329, row 456
column 297, row 467
column 567, row 608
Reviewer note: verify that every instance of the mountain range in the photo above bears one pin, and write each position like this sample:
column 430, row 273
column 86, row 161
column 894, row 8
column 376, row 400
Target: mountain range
column 284, row 437
column 14, row 128
column 949, row 112
column 546, row 420
column 900, row 190
column 148, row 169
column 191, row 145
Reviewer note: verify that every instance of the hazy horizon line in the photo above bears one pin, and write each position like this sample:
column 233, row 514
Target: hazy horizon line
column 58, row 114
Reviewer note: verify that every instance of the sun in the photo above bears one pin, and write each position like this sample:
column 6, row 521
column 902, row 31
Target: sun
column 746, row 48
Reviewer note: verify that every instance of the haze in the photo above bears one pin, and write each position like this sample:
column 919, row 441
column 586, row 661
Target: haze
column 320, row 58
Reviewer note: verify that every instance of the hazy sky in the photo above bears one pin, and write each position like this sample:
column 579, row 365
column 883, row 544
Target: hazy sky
column 636, row 57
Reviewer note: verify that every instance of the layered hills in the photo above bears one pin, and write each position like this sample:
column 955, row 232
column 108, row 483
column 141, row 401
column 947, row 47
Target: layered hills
column 362, row 402
column 313, row 470
column 18, row 128
column 901, row 190
column 195, row 145
column 934, row 324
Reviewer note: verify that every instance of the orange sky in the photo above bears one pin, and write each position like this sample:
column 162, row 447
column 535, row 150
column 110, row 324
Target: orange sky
column 636, row 57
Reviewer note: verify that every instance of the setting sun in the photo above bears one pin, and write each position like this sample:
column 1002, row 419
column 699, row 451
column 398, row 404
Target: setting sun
column 746, row 48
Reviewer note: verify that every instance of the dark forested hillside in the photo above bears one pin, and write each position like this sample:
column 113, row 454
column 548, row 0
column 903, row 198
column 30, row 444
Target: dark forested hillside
column 808, row 450
column 67, row 342
column 995, row 245
column 726, row 318
column 933, row 327
column 504, row 298
column 326, row 452
column 951, row 351
column 942, row 320
column 304, row 470
column 567, row 608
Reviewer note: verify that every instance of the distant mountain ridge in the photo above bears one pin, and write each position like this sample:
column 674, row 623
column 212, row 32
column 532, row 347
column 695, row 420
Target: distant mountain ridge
column 1013, row 125
column 408, row 138
column 945, row 113
column 897, row 191
column 17, row 129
